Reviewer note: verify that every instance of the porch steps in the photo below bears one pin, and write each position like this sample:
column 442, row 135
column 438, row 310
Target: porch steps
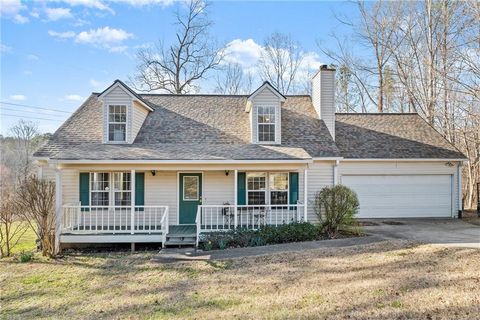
column 181, row 235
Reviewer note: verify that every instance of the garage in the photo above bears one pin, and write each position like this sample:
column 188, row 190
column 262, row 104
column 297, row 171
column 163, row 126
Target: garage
column 402, row 196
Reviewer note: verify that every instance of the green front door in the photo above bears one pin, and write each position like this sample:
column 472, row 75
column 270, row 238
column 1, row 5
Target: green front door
column 190, row 195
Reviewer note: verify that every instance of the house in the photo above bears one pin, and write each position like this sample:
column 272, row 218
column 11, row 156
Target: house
column 164, row 168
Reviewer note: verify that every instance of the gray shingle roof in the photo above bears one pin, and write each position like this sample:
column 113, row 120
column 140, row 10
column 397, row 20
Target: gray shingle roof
column 194, row 127
column 390, row 136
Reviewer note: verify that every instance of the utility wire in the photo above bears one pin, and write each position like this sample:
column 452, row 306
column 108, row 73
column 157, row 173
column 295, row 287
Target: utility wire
column 35, row 107
column 29, row 111
column 17, row 116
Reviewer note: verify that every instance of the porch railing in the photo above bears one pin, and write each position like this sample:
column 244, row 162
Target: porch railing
column 78, row 219
column 228, row 217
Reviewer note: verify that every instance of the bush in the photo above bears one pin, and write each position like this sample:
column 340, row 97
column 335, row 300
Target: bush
column 292, row 232
column 336, row 208
column 26, row 256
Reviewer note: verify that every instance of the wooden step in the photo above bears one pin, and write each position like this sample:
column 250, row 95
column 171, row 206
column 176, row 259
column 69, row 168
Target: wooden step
column 180, row 242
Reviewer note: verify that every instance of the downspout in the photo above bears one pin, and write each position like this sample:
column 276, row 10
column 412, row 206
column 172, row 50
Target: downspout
column 460, row 190
column 335, row 172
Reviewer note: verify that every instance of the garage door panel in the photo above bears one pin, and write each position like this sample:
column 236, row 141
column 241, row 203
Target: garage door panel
column 395, row 196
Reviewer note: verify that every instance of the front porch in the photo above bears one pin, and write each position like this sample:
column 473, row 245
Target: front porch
column 156, row 206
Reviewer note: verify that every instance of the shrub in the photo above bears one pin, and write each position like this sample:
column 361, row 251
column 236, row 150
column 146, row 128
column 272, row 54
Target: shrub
column 292, row 232
column 336, row 208
column 26, row 256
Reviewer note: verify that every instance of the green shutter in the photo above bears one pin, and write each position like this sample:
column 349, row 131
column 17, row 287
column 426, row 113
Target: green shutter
column 84, row 189
column 139, row 189
column 241, row 189
column 293, row 187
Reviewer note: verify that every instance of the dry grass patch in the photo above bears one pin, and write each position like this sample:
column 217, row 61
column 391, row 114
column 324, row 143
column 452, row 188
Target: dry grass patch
column 394, row 279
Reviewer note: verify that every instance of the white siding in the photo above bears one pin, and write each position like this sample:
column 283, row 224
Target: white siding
column 323, row 97
column 347, row 168
column 161, row 190
column 266, row 98
column 320, row 175
column 70, row 186
column 139, row 116
column 47, row 173
column 218, row 188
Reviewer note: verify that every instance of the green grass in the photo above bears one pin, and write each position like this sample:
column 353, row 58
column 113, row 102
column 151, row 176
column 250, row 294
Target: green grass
column 26, row 243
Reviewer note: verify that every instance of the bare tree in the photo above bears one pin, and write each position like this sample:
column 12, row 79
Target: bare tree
column 232, row 80
column 12, row 228
column 35, row 200
column 24, row 134
column 279, row 62
column 177, row 68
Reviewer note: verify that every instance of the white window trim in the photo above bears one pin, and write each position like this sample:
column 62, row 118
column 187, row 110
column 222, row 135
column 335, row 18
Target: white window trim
column 125, row 123
column 267, row 187
column 183, row 188
column 111, row 191
column 274, row 124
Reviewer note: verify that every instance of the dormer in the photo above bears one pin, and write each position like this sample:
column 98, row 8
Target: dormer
column 264, row 107
column 124, row 112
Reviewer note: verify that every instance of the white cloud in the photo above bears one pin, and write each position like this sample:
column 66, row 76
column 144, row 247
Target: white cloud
column 244, row 52
column 94, row 4
column 102, row 36
column 74, row 97
column 12, row 9
column 5, row 49
column 141, row 3
column 61, row 35
column 33, row 57
column 54, row 14
column 18, row 97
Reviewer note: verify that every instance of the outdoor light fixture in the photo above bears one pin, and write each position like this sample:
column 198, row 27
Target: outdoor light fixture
column 449, row 164
column 227, row 172
column 153, row 172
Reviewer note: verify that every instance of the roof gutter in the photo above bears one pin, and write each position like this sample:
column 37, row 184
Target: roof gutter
column 406, row 160
column 60, row 161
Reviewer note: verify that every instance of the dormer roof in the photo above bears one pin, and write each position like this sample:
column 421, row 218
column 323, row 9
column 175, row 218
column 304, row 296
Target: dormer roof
column 266, row 85
column 128, row 90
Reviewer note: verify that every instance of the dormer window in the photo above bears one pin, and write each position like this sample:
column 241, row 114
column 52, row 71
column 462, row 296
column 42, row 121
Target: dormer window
column 117, row 123
column 266, row 123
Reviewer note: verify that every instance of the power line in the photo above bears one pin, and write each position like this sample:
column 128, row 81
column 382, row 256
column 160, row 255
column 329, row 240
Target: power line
column 16, row 116
column 35, row 107
column 17, row 110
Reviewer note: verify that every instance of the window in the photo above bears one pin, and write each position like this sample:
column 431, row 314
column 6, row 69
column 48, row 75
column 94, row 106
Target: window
column 101, row 192
column 117, row 123
column 122, row 191
column 190, row 188
column 266, row 123
column 99, row 188
column 256, row 188
column 278, row 185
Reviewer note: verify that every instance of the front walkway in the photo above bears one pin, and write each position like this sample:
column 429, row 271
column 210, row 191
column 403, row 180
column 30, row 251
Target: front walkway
column 189, row 254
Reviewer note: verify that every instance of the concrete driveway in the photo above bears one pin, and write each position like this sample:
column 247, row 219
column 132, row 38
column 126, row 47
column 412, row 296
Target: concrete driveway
column 448, row 232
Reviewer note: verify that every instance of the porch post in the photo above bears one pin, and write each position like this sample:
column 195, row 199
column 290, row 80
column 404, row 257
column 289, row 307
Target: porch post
column 132, row 204
column 58, row 208
column 235, row 208
column 305, row 195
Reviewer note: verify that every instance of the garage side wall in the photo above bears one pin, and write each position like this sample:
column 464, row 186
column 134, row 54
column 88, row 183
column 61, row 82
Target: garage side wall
column 358, row 168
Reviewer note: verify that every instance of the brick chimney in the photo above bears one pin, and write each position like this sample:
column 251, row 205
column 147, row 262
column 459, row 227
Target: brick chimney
column 323, row 96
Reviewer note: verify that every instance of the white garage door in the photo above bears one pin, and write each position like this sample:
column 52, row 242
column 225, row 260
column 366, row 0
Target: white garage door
column 403, row 196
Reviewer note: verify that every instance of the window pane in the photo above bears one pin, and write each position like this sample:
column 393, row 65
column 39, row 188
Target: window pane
column 279, row 197
column 256, row 197
column 99, row 181
column 99, row 198
column 123, row 198
column 121, row 181
column 117, row 132
column 278, row 181
column 266, row 114
column 266, row 132
column 256, row 181
column 190, row 188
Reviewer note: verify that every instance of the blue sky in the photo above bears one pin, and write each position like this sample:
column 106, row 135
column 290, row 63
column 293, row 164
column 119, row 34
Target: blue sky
column 55, row 53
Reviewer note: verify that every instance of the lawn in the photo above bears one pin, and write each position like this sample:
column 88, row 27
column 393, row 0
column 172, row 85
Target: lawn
column 391, row 279
column 27, row 241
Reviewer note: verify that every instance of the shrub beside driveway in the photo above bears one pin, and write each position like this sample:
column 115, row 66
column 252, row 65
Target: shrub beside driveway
column 390, row 279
